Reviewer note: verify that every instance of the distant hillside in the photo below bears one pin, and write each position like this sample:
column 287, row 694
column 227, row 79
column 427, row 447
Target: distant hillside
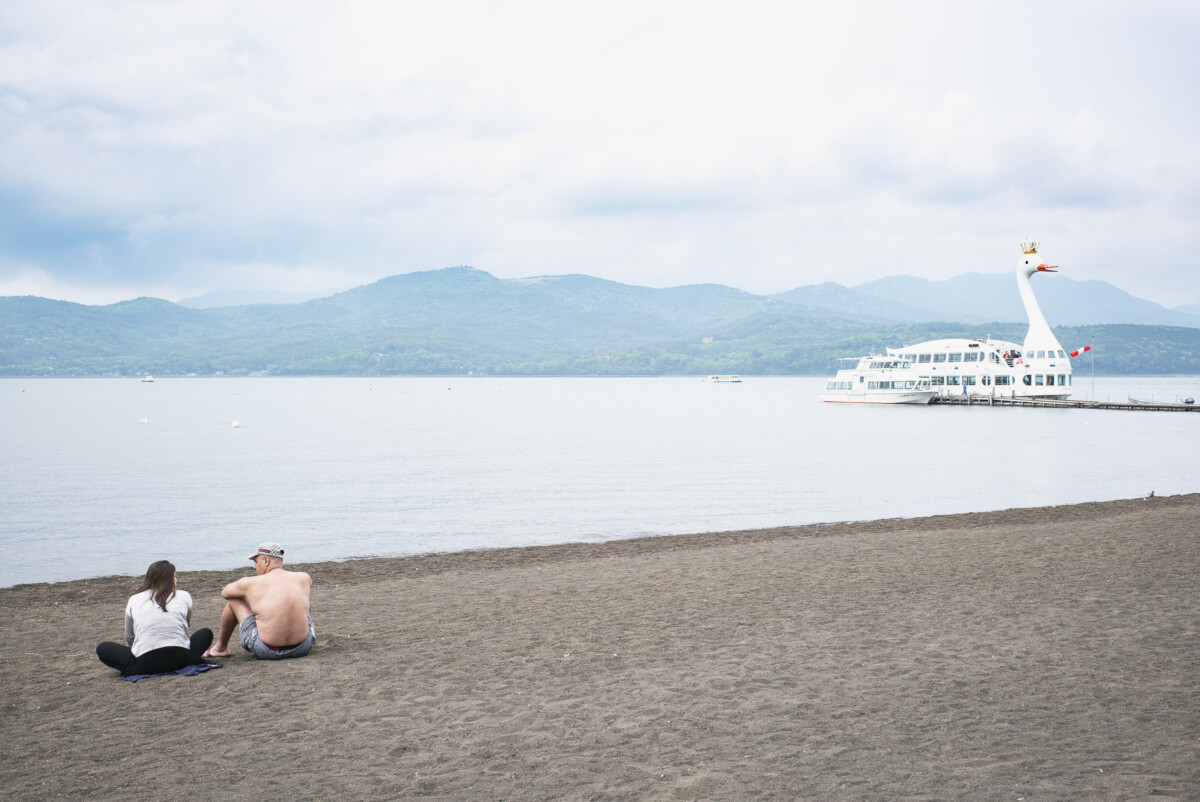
column 967, row 298
column 834, row 299
column 217, row 298
column 462, row 320
column 1189, row 309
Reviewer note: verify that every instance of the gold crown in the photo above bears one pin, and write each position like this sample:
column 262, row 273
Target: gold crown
column 1029, row 247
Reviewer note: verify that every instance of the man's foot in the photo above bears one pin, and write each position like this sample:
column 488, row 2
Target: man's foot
column 216, row 653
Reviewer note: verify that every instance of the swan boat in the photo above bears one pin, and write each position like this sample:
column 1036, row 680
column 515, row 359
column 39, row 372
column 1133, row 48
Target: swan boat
column 1038, row 368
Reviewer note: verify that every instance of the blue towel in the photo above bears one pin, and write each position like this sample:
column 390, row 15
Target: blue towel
column 186, row 671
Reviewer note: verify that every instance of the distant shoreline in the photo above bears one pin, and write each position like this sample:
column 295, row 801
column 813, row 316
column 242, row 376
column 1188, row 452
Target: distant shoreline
column 467, row 559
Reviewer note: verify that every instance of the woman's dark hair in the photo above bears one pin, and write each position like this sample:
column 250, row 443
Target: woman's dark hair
column 160, row 578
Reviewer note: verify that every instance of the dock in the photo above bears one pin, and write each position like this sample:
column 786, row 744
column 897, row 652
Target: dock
column 996, row 401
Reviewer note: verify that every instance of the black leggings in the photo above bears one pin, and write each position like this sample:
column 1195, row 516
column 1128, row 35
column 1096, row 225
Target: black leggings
column 155, row 661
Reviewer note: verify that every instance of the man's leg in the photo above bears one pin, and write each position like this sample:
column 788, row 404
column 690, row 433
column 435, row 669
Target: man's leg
column 235, row 610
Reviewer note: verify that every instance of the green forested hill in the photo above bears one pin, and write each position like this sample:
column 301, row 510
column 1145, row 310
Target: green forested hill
column 461, row 320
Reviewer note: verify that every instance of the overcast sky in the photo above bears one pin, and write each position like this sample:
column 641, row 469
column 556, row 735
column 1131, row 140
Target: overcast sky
column 170, row 148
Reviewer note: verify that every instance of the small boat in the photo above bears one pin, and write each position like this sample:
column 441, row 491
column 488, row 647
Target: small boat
column 147, row 378
column 876, row 379
column 1188, row 400
column 731, row 378
column 1133, row 400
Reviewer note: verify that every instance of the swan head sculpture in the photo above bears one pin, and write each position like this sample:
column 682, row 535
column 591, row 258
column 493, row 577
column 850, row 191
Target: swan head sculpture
column 1030, row 263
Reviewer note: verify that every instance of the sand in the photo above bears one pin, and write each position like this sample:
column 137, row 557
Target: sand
column 1025, row 654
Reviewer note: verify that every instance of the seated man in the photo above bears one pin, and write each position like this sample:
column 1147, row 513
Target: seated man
column 270, row 610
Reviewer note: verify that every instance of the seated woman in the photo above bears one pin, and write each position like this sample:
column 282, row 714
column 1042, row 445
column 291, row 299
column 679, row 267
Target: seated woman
column 157, row 618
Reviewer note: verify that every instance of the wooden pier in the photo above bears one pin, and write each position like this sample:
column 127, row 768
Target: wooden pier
column 997, row 401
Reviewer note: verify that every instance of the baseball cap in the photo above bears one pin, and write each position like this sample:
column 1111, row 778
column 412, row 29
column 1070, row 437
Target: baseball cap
column 268, row 549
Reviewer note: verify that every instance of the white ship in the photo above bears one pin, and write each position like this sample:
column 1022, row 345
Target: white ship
column 877, row 380
column 1038, row 368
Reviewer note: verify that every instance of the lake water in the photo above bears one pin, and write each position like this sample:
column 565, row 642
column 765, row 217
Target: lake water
column 337, row 468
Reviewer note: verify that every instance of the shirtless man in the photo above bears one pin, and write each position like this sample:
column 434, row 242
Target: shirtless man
column 270, row 610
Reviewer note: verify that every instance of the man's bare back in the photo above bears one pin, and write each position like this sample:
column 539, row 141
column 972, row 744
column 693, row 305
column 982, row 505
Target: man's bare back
column 279, row 602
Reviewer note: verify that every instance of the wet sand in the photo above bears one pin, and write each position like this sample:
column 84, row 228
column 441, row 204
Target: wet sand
column 1025, row 654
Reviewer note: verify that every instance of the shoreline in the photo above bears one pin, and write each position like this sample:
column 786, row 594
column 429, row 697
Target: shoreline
column 1039, row 653
column 644, row 544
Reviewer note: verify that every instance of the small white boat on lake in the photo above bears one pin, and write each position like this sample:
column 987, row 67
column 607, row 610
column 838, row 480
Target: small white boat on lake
column 729, row 378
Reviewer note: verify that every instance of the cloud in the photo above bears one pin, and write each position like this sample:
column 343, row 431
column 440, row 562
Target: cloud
column 658, row 144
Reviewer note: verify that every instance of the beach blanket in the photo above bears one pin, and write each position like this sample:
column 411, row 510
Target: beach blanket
column 186, row 671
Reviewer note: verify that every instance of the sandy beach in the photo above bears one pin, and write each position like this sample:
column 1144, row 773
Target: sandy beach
column 1024, row 654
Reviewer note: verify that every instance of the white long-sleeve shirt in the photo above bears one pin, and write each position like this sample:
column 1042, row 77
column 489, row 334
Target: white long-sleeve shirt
column 148, row 627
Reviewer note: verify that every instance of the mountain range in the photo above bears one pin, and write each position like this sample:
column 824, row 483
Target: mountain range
column 966, row 298
column 462, row 320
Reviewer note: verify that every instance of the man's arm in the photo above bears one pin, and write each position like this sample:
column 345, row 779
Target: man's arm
column 238, row 589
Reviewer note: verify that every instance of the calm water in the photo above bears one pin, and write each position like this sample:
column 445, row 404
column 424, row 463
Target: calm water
column 339, row 468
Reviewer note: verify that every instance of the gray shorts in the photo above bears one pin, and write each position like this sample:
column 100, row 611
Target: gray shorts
column 248, row 631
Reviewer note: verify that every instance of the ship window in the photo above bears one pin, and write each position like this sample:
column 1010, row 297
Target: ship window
column 872, row 385
column 1039, row 380
column 987, row 380
column 995, row 358
column 956, row 357
column 1062, row 380
column 1050, row 380
column 1027, row 379
column 1002, row 380
column 938, row 381
column 1061, row 355
column 1041, row 355
column 860, row 379
column 910, row 357
column 830, row 386
column 939, row 357
column 952, row 380
column 924, row 358
column 970, row 356
column 969, row 380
